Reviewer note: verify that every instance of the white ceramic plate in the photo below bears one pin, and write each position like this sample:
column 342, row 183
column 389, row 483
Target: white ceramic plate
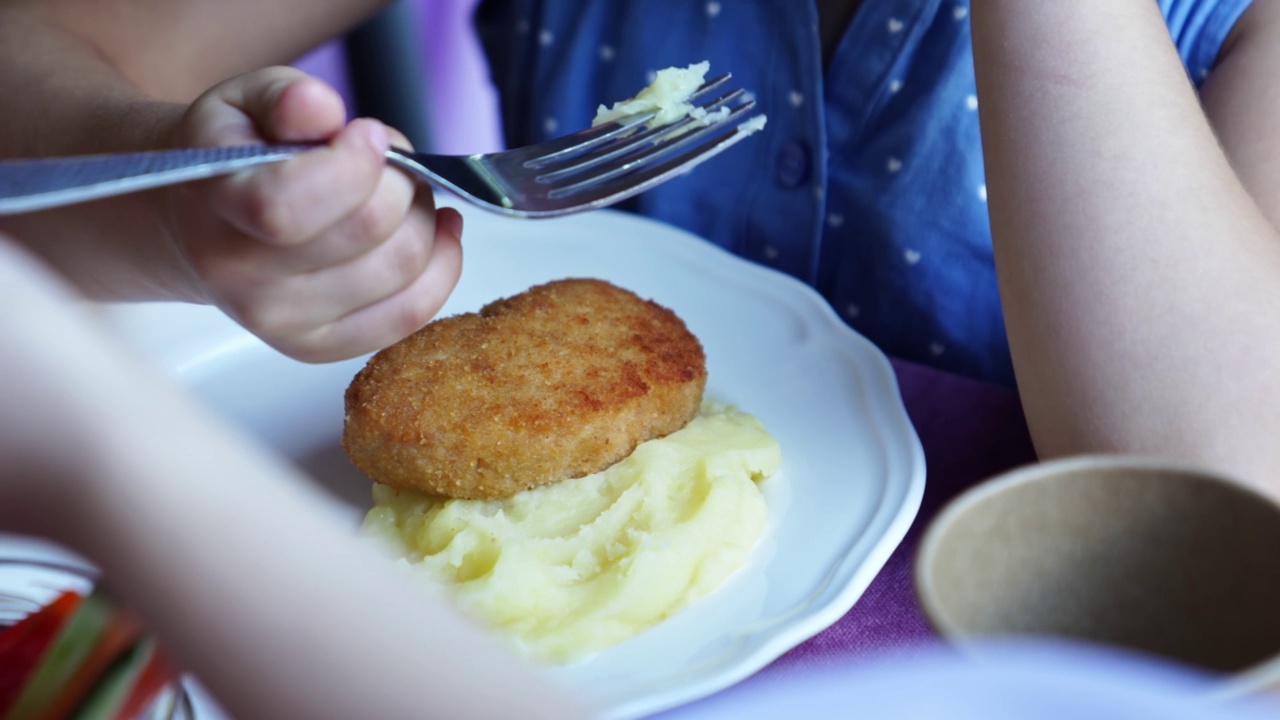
column 853, row 470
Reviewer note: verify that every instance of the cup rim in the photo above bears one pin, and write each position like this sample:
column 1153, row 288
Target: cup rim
column 1246, row 681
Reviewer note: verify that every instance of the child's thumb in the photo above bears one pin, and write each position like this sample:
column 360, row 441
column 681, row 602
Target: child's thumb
column 287, row 105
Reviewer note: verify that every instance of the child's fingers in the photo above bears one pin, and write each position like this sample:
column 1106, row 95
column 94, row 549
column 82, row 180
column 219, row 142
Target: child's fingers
column 285, row 104
column 364, row 229
column 307, row 109
column 394, row 317
column 370, row 225
column 291, row 202
column 279, row 104
column 323, row 297
column 326, row 255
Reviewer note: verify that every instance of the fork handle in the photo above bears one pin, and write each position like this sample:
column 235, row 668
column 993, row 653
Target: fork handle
column 30, row 185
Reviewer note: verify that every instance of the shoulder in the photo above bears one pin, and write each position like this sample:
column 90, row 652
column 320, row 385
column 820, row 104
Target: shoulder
column 1260, row 22
column 1202, row 29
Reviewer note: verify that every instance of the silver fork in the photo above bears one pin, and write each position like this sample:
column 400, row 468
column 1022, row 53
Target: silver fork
column 586, row 170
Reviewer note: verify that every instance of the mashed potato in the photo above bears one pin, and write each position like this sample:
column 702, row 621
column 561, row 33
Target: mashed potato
column 572, row 568
column 668, row 95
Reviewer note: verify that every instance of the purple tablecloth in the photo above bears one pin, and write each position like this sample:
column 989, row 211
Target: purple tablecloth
column 970, row 431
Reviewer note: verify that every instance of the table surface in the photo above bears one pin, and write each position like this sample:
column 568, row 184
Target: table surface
column 970, row 431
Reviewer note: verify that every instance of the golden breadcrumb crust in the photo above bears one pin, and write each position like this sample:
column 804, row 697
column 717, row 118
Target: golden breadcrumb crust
column 560, row 381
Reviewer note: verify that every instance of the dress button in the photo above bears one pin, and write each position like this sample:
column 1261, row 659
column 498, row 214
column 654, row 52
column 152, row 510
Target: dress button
column 794, row 163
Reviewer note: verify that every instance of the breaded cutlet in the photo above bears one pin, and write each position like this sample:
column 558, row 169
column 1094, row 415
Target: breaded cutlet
column 560, row 381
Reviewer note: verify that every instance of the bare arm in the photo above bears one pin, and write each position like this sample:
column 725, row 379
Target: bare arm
column 1139, row 262
column 329, row 255
column 74, row 102
column 229, row 556
column 118, row 53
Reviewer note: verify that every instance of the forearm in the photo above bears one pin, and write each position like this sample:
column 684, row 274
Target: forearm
column 175, row 49
column 232, row 560
column 68, row 99
column 1140, row 278
column 73, row 102
column 90, row 76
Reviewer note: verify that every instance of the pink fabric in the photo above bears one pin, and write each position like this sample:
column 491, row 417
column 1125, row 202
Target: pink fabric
column 970, row 431
column 329, row 62
column 462, row 106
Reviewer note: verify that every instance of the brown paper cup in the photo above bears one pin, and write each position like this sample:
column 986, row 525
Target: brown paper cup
column 1144, row 555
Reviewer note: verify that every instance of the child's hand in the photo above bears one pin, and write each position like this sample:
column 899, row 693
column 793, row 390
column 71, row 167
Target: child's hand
column 325, row 256
column 97, row 453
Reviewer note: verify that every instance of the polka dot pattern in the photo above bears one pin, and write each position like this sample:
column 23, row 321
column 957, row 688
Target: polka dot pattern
column 869, row 188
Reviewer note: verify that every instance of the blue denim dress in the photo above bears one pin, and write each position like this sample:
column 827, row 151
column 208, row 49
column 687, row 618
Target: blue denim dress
column 867, row 182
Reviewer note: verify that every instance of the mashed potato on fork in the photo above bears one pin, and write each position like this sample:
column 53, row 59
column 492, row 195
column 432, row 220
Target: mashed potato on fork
column 669, row 98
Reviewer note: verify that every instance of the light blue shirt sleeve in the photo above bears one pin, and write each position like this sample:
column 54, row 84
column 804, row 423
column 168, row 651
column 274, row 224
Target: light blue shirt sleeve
column 1200, row 28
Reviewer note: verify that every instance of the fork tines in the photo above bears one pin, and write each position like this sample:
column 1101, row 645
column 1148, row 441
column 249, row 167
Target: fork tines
column 620, row 150
column 587, row 140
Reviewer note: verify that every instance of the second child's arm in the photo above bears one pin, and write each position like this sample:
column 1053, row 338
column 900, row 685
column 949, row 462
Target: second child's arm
column 1135, row 230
